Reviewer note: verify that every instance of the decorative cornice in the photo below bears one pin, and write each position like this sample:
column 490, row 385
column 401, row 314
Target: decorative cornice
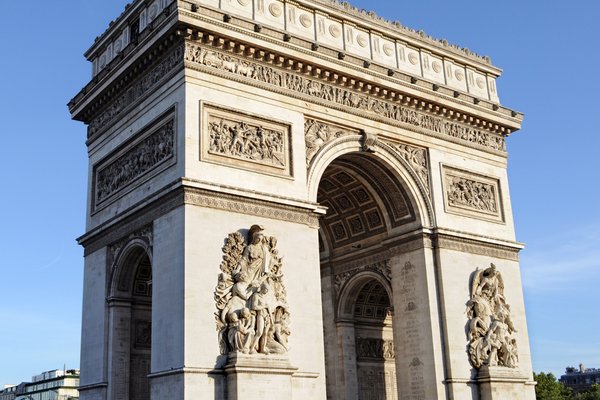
column 178, row 194
column 237, row 62
column 396, row 26
column 249, row 206
column 473, row 246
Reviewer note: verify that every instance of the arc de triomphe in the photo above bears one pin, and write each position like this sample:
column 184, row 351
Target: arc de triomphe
column 295, row 199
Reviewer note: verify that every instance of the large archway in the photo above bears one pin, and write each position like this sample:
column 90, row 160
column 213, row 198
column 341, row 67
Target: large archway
column 130, row 315
column 368, row 208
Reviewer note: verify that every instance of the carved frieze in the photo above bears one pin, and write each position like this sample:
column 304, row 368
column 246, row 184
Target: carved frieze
column 491, row 331
column 383, row 268
column 343, row 98
column 472, row 194
column 144, row 85
column 135, row 160
column 377, row 349
column 252, row 311
column 245, row 141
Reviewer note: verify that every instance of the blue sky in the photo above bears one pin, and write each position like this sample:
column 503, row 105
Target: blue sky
column 548, row 51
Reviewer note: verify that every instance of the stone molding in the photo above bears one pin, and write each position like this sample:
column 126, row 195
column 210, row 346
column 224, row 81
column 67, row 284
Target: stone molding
column 147, row 153
column 381, row 268
column 390, row 248
column 145, row 234
column 479, row 247
column 472, row 195
column 131, row 89
column 241, row 140
column 402, row 112
column 319, row 134
column 249, row 206
column 178, row 194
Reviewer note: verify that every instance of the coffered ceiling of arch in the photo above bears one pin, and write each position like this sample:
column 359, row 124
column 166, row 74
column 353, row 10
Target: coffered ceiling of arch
column 372, row 302
column 364, row 200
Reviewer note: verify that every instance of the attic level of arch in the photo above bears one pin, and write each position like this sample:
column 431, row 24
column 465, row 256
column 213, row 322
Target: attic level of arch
column 106, row 98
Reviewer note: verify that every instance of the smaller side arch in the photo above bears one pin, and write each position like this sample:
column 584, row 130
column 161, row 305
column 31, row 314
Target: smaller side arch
column 132, row 253
column 351, row 289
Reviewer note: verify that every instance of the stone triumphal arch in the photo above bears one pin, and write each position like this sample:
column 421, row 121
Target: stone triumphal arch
column 295, row 200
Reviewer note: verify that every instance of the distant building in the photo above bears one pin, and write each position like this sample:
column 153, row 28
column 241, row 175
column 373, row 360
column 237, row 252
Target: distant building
column 50, row 385
column 578, row 379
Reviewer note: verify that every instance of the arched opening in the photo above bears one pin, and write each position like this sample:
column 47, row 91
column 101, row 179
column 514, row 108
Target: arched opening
column 368, row 212
column 130, row 314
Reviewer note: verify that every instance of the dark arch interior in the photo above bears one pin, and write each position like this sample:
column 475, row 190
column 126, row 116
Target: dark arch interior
column 364, row 201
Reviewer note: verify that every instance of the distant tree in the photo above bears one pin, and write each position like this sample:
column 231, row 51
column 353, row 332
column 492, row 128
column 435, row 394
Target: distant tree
column 548, row 388
column 591, row 394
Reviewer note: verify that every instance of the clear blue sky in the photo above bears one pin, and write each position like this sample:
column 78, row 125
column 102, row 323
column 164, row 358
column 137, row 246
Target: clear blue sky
column 548, row 50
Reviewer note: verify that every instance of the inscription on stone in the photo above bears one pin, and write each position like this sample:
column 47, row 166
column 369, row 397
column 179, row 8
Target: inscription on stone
column 412, row 332
column 246, row 141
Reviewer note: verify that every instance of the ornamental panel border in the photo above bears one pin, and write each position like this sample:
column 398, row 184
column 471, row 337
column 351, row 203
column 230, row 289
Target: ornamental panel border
column 473, row 195
column 142, row 157
column 238, row 139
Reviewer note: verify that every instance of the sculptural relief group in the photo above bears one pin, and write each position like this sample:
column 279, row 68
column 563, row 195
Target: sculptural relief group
column 491, row 331
column 252, row 312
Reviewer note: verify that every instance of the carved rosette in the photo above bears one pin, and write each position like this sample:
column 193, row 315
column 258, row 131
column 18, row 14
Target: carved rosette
column 252, row 312
column 491, row 333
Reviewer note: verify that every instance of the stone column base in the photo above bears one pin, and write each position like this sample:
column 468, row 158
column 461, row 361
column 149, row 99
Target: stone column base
column 501, row 383
column 258, row 377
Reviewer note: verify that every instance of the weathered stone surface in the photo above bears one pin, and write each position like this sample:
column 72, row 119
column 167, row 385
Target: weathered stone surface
column 374, row 158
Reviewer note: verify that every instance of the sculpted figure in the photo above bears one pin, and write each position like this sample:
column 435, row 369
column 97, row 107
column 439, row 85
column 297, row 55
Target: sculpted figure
column 491, row 329
column 252, row 313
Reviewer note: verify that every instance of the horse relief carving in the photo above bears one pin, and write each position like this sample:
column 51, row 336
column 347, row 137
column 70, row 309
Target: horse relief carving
column 491, row 331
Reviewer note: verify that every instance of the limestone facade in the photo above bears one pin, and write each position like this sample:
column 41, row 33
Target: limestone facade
column 371, row 159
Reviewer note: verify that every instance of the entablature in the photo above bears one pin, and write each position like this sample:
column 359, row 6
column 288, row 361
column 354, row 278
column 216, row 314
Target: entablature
column 364, row 86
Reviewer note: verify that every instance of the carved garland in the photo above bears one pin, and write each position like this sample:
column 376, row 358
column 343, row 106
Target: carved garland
column 344, row 99
column 491, row 331
column 252, row 311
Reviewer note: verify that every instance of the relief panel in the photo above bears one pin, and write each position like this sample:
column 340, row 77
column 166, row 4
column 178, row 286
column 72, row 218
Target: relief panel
column 147, row 154
column 472, row 195
column 245, row 141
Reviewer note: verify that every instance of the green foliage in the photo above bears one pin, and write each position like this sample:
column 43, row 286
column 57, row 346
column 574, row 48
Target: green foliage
column 591, row 394
column 548, row 388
